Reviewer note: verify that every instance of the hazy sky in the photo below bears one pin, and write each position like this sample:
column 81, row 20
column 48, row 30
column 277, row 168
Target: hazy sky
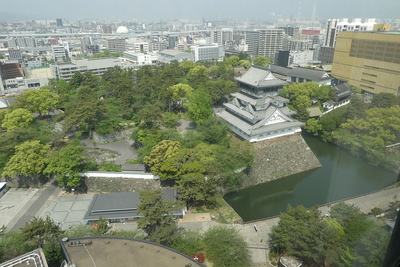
column 190, row 9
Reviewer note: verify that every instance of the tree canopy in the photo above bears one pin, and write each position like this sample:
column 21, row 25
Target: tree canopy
column 29, row 159
column 157, row 222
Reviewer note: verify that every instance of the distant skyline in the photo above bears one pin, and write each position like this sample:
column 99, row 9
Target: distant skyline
column 189, row 9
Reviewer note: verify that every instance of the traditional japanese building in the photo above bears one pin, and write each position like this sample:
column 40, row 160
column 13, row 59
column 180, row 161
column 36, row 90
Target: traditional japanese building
column 257, row 112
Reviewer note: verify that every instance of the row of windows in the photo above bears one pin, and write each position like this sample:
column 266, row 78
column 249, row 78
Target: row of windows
column 376, row 50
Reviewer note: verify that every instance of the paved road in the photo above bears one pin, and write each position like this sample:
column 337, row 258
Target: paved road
column 123, row 148
column 34, row 207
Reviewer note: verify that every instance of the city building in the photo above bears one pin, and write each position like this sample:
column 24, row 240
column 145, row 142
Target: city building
column 368, row 60
column 301, row 58
column 98, row 66
column 116, row 45
column 205, row 53
column 167, row 56
column 14, row 54
column 264, row 42
column 141, row 47
column 58, row 52
column 257, row 112
column 140, row 59
column 334, row 26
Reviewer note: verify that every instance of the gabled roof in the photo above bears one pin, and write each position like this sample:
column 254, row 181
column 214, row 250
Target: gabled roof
column 309, row 74
column 259, row 77
column 278, row 69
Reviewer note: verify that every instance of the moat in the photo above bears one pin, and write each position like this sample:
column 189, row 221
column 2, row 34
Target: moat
column 341, row 176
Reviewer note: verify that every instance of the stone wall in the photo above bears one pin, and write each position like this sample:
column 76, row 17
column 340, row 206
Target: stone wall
column 280, row 157
column 113, row 185
column 107, row 138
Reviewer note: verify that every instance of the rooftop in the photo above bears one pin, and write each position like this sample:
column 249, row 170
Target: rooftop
column 107, row 251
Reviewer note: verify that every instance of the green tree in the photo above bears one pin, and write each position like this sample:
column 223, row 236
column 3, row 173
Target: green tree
column 66, row 164
column 29, row 159
column 160, row 153
column 385, row 100
column 232, row 61
column 313, row 127
column 18, row 118
column 243, row 56
column 199, row 106
column 245, row 63
column 189, row 242
column 198, row 76
column 157, row 222
column 40, row 101
column 197, row 189
column 225, row 246
column 298, row 234
column 37, row 232
column 261, row 61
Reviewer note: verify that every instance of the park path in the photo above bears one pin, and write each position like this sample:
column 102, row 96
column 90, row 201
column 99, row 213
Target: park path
column 122, row 147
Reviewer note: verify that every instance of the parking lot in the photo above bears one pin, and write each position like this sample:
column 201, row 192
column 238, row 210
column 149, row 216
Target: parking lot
column 13, row 202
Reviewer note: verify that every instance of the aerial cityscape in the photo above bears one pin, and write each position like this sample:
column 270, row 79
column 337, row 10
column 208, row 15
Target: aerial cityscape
column 177, row 133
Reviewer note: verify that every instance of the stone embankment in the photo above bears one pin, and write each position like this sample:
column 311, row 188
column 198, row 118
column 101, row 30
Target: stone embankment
column 280, row 157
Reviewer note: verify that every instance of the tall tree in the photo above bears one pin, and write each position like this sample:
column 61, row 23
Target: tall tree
column 67, row 163
column 199, row 106
column 18, row 118
column 160, row 153
column 261, row 61
column 40, row 101
column 226, row 247
column 157, row 222
column 29, row 159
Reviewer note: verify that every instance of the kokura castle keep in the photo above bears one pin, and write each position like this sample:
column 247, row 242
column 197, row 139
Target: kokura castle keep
column 257, row 112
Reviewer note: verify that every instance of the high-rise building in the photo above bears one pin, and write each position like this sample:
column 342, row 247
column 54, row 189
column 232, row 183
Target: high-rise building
column 59, row 22
column 264, row 42
column 334, row 26
column 368, row 60
column 270, row 42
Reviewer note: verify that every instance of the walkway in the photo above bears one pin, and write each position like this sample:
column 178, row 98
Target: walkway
column 122, row 147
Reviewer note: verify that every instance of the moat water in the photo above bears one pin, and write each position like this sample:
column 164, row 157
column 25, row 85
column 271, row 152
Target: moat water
column 341, row 176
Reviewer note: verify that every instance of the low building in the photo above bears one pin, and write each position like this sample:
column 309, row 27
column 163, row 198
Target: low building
column 140, row 59
column 34, row 258
column 121, row 251
column 167, row 56
column 65, row 71
column 300, row 75
column 257, row 113
column 209, row 52
column 121, row 207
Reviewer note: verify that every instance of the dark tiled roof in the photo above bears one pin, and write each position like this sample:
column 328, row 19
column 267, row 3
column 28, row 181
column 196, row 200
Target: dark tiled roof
column 309, row 74
column 133, row 167
column 260, row 77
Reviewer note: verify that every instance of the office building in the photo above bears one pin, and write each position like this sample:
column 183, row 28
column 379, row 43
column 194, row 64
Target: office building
column 98, row 66
column 14, row 54
column 205, row 53
column 368, row 60
column 116, row 45
column 141, row 47
column 58, row 51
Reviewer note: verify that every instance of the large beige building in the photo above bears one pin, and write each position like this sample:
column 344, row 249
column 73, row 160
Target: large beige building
column 369, row 60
